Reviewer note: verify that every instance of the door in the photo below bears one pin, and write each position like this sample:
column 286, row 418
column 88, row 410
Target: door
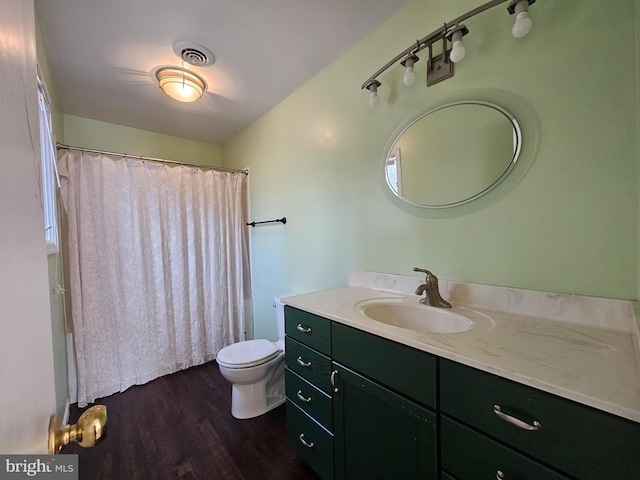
column 379, row 434
column 26, row 352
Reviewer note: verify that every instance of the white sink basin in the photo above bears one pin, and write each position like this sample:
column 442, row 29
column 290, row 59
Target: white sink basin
column 415, row 316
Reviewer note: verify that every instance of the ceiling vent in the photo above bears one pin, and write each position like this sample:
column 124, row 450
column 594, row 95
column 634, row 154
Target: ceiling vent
column 194, row 54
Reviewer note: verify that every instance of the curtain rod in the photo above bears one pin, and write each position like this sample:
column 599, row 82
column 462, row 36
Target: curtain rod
column 61, row 146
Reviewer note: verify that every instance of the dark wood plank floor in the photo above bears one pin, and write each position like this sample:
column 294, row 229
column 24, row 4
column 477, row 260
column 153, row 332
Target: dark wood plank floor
column 180, row 427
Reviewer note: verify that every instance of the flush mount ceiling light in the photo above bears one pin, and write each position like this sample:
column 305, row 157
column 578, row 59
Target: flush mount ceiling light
column 181, row 84
column 440, row 67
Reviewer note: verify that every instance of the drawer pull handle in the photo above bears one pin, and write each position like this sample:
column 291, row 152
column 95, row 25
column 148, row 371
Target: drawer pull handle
column 304, row 442
column 302, row 363
column 516, row 421
column 333, row 380
column 302, row 397
column 499, row 475
column 303, row 329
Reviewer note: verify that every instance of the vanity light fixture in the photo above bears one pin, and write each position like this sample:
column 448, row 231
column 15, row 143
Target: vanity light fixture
column 181, row 84
column 440, row 67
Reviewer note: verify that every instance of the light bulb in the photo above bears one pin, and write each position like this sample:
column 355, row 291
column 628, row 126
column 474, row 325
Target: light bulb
column 373, row 99
column 457, row 52
column 373, row 88
column 409, row 76
column 522, row 26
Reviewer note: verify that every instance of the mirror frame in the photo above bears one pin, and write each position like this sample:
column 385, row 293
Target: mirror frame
column 521, row 115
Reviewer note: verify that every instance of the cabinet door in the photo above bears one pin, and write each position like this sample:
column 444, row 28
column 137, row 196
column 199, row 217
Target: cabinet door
column 379, row 434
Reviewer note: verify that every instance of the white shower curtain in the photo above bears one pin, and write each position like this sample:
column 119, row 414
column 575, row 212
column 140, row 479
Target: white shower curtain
column 158, row 268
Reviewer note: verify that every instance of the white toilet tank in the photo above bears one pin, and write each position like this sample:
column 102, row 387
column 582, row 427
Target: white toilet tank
column 280, row 319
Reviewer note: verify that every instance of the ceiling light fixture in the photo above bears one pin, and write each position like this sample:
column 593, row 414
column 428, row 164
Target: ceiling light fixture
column 440, row 67
column 181, row 84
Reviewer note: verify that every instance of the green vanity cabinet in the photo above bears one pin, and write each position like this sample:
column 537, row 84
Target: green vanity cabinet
column 380, row 434
column 360, row 406
column 574, row 439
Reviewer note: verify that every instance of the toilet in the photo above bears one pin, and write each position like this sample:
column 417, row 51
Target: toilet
column 255, row 369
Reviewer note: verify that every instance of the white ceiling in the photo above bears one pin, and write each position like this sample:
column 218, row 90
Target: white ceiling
column 104, row 53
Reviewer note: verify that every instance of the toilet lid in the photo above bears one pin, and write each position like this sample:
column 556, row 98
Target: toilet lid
column 247, row 354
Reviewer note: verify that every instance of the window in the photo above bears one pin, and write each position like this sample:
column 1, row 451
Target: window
column 393, row 171
column 49, row 176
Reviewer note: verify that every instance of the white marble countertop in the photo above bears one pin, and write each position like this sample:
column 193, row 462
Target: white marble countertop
column 594, row 362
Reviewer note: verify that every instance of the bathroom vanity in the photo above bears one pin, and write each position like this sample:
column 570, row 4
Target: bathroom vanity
column 533, row 390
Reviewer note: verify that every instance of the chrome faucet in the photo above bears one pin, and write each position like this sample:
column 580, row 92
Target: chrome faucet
column 430, row 287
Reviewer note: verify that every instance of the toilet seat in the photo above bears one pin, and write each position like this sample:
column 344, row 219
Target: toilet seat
column 249, row 353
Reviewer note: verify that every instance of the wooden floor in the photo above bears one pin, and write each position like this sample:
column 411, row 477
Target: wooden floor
column 180, row 427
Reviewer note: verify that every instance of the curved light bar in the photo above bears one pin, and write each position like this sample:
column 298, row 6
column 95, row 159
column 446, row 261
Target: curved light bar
column 440, row 67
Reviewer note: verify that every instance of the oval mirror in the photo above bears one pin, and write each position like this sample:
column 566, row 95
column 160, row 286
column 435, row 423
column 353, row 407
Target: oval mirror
column 452, row 154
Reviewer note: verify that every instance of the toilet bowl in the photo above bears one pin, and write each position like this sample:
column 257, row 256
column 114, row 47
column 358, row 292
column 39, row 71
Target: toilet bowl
column 255, row 369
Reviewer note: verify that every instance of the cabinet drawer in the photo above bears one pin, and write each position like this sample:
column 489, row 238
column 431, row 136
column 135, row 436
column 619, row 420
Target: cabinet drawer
column 468, row 455
column 404, row 369
column 576, row 439
column 313, row 401
column 312, row 442
column 309, row 364
column 308, row 328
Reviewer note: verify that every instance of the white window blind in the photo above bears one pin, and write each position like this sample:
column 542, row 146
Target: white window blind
column 50, row 177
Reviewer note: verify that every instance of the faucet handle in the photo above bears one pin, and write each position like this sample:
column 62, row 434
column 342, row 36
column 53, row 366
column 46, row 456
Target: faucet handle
column 430, row 279
column 422, row 270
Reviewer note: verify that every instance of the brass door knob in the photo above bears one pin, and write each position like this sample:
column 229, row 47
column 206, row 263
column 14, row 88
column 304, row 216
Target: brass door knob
column 90, row 429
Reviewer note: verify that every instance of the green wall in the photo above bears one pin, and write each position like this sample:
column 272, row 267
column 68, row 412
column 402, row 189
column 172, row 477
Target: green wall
column 87, row 133
column 570, row 225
